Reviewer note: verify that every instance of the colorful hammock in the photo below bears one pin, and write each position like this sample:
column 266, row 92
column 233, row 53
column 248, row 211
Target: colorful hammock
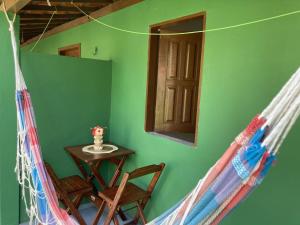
column 236, row 174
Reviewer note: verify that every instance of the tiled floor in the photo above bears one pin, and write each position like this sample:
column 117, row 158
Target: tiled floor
column 89, row 213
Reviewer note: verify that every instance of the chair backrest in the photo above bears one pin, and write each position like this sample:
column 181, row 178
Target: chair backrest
column 145, row 171
column 53, row 177
column 62, row 194
column 156, row 170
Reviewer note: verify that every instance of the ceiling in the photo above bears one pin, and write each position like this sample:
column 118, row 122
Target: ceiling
column 36, row 14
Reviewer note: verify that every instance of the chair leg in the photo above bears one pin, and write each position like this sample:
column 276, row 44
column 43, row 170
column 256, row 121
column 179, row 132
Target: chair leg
column 79, row 218
column 135, row 219
column 122, row 215
column 116, row 221
column 66, row 206
column 77, row 200
column 77, row 215
column 140, row 211
column 72, row 209
column 99, row 213
column 110, row 216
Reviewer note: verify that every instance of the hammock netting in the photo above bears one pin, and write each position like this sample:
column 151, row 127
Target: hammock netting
column 240, row 170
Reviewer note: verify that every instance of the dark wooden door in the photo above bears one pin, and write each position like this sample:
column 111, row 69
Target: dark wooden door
column 72, row 51
column 178, row 82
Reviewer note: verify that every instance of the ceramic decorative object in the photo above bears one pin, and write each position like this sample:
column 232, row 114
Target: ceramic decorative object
column 98, row 132
column 98, row 147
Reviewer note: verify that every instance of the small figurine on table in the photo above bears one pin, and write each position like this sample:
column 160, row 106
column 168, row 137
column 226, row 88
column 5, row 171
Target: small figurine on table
column 97, row 132
column 98, row 147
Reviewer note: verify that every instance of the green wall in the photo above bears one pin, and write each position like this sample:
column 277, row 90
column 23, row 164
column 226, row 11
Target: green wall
column 70, row 96
column 243, row 69
column 9, row 191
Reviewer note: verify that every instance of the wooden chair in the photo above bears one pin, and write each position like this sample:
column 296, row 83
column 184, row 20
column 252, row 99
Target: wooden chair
column 127, row 193
column 70, row 191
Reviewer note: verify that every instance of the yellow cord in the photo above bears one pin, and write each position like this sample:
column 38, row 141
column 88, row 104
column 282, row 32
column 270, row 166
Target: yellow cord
column 190, row 32
column 40, row 37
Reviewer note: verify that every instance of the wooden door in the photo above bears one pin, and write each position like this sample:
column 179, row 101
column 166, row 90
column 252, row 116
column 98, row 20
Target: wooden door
column 72, row 51
column 178, row 83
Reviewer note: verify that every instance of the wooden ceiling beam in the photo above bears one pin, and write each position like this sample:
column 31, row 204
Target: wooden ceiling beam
column 78, row 1
column 84, row 19
column 38, row 25
column 32, row 33
column 29, row 35
column 69, row 4
column 13, row 5
column 35, row 31
column 49, row 11
column 58, row 8
column 40, row 28
column 43, row 16
column 26, row 23
column 45, row 20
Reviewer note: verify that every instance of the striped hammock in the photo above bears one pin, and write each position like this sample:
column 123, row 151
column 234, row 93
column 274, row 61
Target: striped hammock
column 235, row 175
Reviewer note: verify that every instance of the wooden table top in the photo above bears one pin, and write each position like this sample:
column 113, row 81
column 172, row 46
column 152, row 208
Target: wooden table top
column 76, row 151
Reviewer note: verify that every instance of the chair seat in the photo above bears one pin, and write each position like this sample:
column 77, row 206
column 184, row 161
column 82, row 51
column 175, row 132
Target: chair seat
column 75, row 184
column 132, row 193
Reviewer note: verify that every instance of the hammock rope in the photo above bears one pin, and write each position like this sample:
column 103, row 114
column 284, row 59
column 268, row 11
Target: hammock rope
column 239, row 171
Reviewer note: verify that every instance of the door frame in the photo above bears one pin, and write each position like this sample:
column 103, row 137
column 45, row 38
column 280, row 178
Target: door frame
column 153, row 50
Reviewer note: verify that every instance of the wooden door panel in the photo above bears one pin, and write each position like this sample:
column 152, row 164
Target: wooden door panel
column 188, row 95
column 172, row 59
column 190, row 61
column 170, row 104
